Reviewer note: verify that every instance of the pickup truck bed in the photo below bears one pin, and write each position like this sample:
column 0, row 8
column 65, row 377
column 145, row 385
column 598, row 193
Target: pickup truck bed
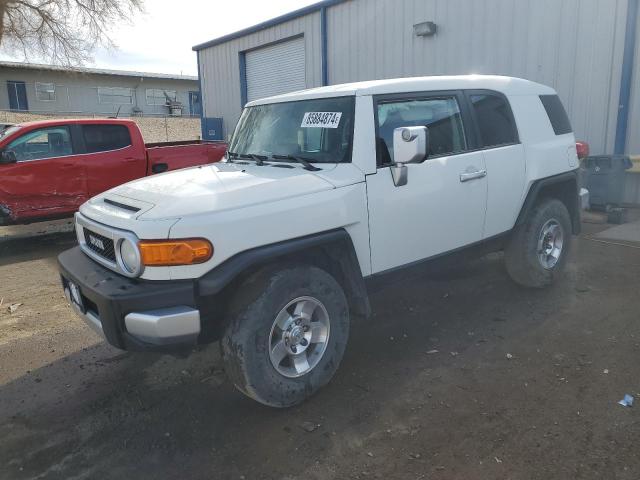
column 184, row 154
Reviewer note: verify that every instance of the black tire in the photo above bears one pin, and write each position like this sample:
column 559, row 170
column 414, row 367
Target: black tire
column 521, row 254
column 246, row 342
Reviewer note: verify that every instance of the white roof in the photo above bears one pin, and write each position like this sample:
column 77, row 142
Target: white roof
column 507, row 85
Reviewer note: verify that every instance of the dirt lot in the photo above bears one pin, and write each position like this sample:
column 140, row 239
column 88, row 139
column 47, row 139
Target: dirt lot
column 524, row 385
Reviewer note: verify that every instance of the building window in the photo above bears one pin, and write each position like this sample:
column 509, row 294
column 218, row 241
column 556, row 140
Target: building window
column 115, row 95
column 46, row 92
column 160, row 96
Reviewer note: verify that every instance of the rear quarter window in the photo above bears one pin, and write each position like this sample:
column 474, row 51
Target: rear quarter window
column 495, row 119
column 557, row 114
column 103, row 138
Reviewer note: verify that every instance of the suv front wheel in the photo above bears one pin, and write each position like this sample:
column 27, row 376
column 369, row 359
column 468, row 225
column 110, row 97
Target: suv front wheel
column 537, row 250
column 287, row 334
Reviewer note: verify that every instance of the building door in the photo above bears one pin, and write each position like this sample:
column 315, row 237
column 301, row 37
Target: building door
column 212, row 128
column 275, row 69
column 17, row 95
column 195, row 107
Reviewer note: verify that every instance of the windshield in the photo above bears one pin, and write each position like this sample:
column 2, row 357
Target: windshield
column 8, row 131
column 319, row 130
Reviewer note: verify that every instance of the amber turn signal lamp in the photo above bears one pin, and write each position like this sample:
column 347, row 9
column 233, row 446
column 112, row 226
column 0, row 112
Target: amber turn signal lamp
column 166, row 253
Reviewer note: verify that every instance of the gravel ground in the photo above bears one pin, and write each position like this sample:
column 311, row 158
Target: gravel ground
column 458, row 375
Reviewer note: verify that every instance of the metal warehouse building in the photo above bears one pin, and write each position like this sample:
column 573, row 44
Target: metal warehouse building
column 587, row 49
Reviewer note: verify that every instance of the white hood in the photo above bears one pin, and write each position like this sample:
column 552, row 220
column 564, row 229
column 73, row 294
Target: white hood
column 207, row 189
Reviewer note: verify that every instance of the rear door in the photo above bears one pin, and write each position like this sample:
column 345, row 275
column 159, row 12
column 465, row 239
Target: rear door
column 504, row 158
column 111, row 158
column 48, row 178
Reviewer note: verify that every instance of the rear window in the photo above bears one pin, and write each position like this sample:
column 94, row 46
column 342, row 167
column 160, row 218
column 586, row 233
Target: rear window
column 557, row 114
column 495, row 120
column 103, row 138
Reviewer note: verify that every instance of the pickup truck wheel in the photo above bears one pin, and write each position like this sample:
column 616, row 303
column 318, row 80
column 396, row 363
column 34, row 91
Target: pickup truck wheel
column 538, row 249
column 287, row 334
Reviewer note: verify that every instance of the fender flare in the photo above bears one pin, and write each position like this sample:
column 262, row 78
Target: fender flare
column 338, row 242
column 539, row 185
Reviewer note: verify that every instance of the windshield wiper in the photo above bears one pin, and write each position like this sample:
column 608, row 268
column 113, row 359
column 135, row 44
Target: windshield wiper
column 304, row 161
column 259, row 159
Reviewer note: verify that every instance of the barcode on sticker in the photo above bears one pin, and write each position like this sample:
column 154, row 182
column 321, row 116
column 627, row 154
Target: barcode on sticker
column 321, row 119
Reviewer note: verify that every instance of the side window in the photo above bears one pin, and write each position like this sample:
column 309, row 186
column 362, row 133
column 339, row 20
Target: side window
column 103, row 138
column 440, row 115
column 557, row 114
column 43, row 143
column 495, row 120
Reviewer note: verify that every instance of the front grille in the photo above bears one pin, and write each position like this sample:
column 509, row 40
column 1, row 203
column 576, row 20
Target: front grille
column 100, row 245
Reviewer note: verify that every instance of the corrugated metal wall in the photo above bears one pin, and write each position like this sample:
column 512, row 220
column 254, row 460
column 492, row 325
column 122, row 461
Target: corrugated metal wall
column 633, row 132
column 573, row 45
column 220, row 67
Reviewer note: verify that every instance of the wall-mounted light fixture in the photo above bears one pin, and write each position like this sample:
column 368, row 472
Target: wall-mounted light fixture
column 425, row 29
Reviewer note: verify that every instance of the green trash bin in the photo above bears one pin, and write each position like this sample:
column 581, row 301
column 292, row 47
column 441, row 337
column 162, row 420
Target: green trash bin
column 606, row 179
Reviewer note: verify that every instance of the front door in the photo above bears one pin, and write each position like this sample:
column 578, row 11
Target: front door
column 17, row 92
column 442, row 207
column 47, row 179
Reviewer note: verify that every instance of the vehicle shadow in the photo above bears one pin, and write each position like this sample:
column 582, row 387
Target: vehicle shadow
column 23, row 249
column 101, row 413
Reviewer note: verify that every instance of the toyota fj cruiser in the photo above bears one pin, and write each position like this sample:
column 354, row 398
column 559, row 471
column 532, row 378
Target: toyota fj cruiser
column 321, row 192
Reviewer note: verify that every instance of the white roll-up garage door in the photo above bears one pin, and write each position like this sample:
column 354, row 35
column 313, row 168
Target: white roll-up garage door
column 276, row 69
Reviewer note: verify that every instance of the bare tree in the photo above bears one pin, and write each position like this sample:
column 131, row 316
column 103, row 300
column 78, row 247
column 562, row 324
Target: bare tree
column 64, row 32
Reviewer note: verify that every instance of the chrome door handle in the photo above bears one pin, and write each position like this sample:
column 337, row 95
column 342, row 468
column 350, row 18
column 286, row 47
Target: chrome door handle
column 465, row 177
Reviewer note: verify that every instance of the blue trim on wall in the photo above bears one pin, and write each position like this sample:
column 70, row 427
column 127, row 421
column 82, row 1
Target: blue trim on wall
column 323, row 34
column 626, row 78
column 201, row 98
column 269, row 23
column 242, row 60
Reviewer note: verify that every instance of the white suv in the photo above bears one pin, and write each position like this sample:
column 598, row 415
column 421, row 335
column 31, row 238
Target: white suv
column 322, row 191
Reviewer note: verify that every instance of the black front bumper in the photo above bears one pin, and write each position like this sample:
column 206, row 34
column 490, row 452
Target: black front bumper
column 109, row 297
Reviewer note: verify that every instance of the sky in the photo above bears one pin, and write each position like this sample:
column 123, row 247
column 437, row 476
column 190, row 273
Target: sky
column 160, row 40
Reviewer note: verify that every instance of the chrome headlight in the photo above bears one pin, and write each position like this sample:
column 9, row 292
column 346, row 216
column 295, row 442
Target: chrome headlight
column 130, row 256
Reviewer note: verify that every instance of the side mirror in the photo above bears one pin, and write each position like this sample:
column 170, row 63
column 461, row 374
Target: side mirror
column 8, row 156
column 410, row 145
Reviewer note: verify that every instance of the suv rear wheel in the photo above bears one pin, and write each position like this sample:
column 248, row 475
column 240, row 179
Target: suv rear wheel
column 287, row 334
column 537, row 251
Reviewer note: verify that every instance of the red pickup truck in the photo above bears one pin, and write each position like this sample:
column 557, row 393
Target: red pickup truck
column 49, row 168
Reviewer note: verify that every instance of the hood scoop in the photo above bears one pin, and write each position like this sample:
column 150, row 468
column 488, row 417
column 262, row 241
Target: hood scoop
column 121, row 205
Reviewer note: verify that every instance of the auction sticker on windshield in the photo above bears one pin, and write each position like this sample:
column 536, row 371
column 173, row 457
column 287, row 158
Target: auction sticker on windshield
column 321, row 119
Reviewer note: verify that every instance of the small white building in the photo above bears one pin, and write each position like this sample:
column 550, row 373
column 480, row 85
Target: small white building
column 582, row 48
column 56, row 90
